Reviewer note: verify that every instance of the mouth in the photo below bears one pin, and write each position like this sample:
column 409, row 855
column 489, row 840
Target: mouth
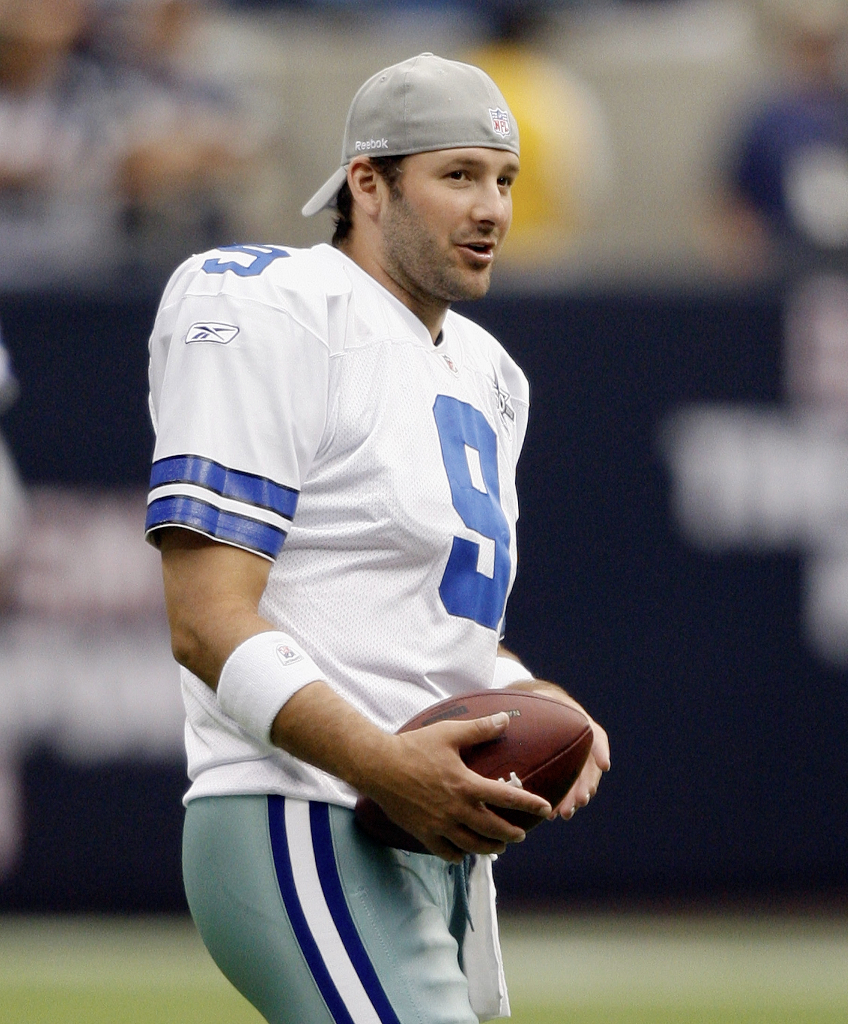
column 481, row 253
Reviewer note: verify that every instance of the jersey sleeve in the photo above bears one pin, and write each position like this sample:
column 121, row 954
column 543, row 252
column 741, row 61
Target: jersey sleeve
column 238, row 400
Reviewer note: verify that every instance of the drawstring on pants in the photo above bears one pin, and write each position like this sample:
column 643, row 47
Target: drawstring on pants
column 462, row 875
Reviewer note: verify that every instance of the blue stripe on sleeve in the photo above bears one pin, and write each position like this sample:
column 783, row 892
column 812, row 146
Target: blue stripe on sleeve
column 328, row 874
column 229, row 483
column 288, row 891
column 225, row 526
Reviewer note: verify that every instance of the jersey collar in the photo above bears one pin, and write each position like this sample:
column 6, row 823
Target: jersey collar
column 416, row 326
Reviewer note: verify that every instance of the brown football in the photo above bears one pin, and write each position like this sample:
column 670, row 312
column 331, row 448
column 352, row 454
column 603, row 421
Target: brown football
column 545, row 746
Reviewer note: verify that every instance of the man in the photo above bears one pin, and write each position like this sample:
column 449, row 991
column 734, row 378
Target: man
column 328, row 398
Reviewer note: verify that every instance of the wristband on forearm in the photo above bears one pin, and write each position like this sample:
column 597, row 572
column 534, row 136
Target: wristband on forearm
column 508, row 671
column 259, row 677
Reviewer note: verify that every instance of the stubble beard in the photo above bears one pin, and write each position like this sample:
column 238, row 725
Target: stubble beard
column 415, row 261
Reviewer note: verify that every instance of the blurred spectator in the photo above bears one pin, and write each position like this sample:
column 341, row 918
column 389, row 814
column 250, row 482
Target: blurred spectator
column 56, row 146
column 566, row 164
column 185, row 140
column 787, row 176
column 112, row 153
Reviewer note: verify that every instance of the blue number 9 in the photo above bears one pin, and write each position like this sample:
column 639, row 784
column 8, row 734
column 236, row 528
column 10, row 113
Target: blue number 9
column 464, row 590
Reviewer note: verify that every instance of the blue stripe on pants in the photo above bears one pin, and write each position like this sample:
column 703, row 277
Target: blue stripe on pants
column 285, row 877
column 328, row 874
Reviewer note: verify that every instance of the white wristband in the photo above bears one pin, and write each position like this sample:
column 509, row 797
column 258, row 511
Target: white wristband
column 259, row 677
column 507, row 671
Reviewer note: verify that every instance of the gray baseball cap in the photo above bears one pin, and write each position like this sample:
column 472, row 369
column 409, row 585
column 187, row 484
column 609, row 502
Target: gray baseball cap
column 420, row 105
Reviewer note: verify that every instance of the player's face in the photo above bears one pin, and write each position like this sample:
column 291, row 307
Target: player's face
column 443, row 231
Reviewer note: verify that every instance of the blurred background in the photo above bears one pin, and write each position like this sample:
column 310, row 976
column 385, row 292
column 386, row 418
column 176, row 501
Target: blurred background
column 676, row 288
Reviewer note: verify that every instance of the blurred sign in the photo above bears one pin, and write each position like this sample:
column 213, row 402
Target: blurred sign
column 769, row 478
column 85, row 662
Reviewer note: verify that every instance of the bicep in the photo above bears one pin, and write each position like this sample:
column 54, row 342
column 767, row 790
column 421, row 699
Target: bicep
column 212, row 594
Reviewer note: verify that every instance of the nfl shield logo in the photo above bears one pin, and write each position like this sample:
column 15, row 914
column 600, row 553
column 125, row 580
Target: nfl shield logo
column 287, row 655
column 500, row 121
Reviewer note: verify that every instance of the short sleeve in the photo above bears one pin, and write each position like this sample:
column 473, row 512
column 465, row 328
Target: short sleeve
column 238, row 400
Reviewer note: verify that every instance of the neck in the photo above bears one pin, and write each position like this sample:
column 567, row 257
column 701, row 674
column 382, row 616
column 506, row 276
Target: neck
column 429, row 310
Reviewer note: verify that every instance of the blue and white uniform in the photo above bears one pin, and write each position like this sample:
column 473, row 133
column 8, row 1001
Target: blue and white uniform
column 303, row 413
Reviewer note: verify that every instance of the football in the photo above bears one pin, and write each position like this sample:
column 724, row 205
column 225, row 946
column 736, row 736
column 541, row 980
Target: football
column 544, row 748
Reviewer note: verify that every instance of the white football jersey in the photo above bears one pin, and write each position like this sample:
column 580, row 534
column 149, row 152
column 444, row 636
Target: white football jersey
column 303, row 413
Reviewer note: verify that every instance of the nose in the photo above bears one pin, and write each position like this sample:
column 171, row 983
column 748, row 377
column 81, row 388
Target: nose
column 493, row 204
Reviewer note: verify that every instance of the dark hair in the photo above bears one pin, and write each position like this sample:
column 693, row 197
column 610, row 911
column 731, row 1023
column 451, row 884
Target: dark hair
column 389, row 168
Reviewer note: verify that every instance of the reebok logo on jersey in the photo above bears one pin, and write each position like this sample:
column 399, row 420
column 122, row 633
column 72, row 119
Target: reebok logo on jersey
column 361, row 147
column 500, row 122
column 288, row 655
column 220, row 334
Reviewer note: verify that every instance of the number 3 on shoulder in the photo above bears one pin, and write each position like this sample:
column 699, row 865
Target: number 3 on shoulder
column 470, row 454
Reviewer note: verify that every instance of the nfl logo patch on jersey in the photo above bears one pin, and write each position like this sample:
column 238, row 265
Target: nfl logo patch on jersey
column 500, row 122
column 451, row 365
column 288, row 655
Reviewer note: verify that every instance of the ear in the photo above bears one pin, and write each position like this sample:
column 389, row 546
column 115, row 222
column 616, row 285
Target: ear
column 365, row 185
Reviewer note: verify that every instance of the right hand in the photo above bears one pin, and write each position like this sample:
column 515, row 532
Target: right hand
column 421, row 782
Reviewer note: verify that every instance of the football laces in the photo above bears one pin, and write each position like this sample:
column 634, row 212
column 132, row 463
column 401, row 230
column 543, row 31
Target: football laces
column 513, row 780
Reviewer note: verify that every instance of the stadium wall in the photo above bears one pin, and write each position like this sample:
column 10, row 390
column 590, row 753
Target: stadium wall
column 693, row 640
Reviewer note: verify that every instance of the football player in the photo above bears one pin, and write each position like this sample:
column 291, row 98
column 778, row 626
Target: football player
column 333, row 494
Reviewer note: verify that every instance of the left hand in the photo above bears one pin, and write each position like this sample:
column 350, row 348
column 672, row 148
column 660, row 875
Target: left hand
column 597, row 762
column 589, row 778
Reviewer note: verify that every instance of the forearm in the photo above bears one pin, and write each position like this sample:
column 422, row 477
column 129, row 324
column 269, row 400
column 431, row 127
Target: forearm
column 544, row 686
column 529, row 683
column 322, row 728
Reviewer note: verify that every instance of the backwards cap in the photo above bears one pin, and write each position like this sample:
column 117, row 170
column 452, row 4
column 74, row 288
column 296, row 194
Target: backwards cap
column 422, row 104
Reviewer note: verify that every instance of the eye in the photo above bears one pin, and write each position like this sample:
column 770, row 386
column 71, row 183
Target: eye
column 457, row 175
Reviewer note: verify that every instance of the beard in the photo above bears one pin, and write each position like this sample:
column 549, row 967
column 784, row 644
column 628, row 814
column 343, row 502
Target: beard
column 418, row 263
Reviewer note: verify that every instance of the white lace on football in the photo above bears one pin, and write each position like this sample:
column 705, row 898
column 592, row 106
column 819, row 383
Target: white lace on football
column 513, row 781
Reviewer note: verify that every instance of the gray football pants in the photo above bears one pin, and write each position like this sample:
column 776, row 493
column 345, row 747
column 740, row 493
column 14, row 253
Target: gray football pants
column 316, row 924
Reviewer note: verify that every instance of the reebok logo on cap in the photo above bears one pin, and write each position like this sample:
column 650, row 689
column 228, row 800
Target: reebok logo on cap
column 361, row 147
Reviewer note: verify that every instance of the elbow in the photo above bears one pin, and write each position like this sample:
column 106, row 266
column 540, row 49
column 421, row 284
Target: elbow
column 184, row 647
column 191, row 653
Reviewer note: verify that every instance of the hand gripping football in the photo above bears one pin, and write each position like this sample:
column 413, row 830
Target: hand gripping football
column 544, row 748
